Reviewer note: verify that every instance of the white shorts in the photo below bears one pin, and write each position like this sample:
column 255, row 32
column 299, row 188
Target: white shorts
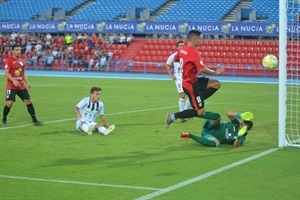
column 178, row 83
column 79, row 123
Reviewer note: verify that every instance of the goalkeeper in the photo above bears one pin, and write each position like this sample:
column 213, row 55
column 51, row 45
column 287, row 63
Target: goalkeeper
column 216, row 132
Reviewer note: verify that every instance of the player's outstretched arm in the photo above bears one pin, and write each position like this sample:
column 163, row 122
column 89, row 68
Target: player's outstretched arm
column 231, row 114
column 246, row 116
column 208, row 71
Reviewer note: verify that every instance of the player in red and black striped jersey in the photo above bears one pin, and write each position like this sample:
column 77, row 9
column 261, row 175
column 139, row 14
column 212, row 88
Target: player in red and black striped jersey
column 16, row 85
column 196, row 88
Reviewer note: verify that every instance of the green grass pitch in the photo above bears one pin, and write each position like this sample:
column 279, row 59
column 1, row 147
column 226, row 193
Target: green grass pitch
column 141, row 157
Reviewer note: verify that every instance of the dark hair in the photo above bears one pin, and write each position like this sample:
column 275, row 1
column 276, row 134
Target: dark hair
column 179, row 42
column 93, row 89
column 15, row 46
column 249, row 125
column 193, row 33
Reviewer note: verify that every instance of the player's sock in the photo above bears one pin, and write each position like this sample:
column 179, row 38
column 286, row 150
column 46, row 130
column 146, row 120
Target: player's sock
column 181, row 104
column 203, row 141
column 187, row 104
column 31, row 111
column 208, row 92
column 6, row 110
column 101, row 129
column 84, row 127
column 189, row 113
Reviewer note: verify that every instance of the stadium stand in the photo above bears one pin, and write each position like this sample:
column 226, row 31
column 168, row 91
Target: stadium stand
column 26, row 9
column 108, row 11
column 208, row 11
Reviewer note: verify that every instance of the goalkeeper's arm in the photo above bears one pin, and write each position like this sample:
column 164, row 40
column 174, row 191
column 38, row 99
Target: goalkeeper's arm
column 246, row 116
column 231, row 114
column 237, row 143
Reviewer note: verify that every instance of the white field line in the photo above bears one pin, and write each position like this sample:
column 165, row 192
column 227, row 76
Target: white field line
column 158, row 190
column 77, row 182
column 204, row 176
column 121, row 113
column 73, row 119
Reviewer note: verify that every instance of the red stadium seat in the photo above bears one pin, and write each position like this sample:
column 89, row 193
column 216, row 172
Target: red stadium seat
column 217, row 54
column 250, row 61
column 232, row 48
column 238, row 48
column 247, row 43
column 250, row 49
column 151, row 53
column 217, row 43
column 241, row 54
column 220, row 48
column 223, row 43
column 214, row 48
column 229, row 54
column 247, row 55
column 213, row 60
column 223, row 54
column 235, row 54
column 208, row 48
column 235, row 43
column 256, row 49
column 204, row 42
column 226, row 48
column 225, row 60
column 244, row 49
column 210, row 43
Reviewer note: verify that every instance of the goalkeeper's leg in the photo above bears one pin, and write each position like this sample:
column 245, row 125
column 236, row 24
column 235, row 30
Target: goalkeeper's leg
column 206, row 140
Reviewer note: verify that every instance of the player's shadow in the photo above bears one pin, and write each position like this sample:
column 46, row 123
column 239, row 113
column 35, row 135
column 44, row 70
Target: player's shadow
column 138, row 157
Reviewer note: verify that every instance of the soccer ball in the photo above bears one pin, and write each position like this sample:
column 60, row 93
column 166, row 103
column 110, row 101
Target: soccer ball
column 270, row 62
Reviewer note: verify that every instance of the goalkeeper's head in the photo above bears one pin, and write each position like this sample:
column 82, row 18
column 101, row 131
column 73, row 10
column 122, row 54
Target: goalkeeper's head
column 249, row 124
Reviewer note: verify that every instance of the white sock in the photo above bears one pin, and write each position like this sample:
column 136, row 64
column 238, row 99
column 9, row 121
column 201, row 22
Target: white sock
column 84, row 127
column 181, row 104
column 187, row 104
column 102, row 129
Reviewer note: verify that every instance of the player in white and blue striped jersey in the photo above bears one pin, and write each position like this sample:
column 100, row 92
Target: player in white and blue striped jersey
column 87, row 110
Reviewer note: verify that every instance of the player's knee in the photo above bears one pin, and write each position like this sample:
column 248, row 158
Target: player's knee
column 201, row 112
column 217, row 143
column 182, row 96
column 215, row 140
column 214, row 84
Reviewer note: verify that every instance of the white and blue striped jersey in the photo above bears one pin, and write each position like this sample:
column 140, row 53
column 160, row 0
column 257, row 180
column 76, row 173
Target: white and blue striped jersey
column 89, row 110
column 176, row 66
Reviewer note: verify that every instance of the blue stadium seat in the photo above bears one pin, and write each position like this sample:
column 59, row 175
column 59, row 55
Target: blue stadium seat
column 25, row 10
column 104, row 10
column 214, row 10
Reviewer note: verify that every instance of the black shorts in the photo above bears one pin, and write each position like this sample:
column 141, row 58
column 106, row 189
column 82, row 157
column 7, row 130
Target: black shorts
column 195, row 92
column 22, row 94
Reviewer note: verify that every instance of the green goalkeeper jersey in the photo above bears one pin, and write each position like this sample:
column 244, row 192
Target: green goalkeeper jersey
column 225, row 131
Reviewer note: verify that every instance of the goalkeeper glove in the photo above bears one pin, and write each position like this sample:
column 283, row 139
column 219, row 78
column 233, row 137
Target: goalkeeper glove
column 246, row 116
column 242, row 131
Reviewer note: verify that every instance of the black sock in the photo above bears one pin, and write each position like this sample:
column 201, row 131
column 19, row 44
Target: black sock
column 6, row 110
column 189, row 113
column 31, row 111
column 208, row 92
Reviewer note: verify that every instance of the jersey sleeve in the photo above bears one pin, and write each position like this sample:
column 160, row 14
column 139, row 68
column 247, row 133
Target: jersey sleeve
column 171, row 59
column 197, row 60
column 176, row 57
column 82, row 103
column 7, row 64
column 101, row 108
